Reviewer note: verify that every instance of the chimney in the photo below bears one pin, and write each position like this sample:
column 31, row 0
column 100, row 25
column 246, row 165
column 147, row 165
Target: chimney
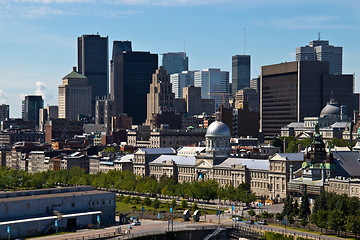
column 74, row 69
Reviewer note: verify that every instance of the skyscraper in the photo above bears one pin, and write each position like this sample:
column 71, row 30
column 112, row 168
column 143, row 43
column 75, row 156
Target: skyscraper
column 321, row 50
column 175, row 62
column 116, row 87
column 181, row 80
column 214, row 84
column 240, row 72
column 131, row 74
column 160, row 98
column 74, row 96
column 30, row 108
column 294, row 90
column 4, row 112
column 93, row 62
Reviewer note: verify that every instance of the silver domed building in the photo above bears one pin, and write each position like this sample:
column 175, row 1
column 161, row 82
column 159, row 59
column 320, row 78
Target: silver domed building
column 218, row 139
column 331, row 110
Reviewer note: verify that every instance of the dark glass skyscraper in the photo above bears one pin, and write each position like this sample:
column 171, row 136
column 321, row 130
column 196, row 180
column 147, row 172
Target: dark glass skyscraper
column 93, row 63
column 131, row 76
column 30, row 108
column 240, row 72
column 175, row 62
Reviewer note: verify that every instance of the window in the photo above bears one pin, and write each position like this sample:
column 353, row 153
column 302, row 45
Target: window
column 73, row 205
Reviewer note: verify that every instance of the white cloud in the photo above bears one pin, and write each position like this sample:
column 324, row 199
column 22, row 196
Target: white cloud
column 40, row 88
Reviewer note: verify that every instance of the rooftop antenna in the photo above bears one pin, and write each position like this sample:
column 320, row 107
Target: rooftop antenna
column 319, row 36
column 244, row 40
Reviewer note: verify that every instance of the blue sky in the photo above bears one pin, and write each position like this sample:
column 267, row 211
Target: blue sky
column 38, row 37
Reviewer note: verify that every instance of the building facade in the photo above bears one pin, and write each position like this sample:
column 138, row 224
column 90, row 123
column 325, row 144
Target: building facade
column 4, row 112
column 74, row 96
column 181, row 80
column 294, row 90
column 160, row 98
column 30, row 108
column 131, row 76
column 321, row 50
column 175, row 62
column 104, row 111
column 214, row 84
column 93, row 62
column 240, row 72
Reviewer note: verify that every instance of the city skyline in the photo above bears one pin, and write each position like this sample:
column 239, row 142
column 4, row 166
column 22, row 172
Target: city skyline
column 39, row 46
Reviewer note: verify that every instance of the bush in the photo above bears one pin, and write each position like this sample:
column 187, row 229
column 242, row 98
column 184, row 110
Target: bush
column 277, row 236
column 147, row 201
column 251, row 213
column 120, row 198
column 265, row 214
column 279, row 216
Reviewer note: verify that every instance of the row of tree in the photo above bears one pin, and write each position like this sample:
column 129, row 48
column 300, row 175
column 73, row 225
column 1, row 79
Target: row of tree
column 330, row 210
column 126, row 180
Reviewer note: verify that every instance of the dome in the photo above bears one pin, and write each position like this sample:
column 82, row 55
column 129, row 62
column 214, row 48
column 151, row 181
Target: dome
column 330, row 110
column 218, row 129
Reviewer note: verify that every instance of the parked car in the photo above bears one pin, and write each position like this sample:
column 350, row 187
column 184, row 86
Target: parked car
column 236, row 219
column 262, row 222
column 136, row 223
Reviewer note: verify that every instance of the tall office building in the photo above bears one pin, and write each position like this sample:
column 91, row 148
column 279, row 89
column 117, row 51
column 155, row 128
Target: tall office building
column 291, row 91
column 30, row 108
column 93, row 62
column 160, row 98
column 4, row 112
column 240, row 72
column 255, row 84
column 46, row 114
column 131, row 74
column 104, row 111
column 181, row 80
column 175, row 62
column 74, row 96
column 321, row 50
column 116, row 88
column 248, row 98
column 214, row 84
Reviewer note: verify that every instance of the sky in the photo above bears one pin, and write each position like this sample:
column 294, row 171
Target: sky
column 38, row 37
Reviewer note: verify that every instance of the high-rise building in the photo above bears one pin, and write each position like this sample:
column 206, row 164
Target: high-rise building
column 131, row 74
column 175, row 62
column 4, row 112
column 255, row 84
column 104, row 111
column 294, row 90
column 214, row 84
column 321, row 50
column 248, row 96
column 195, row 105
column 74, row 96
column 93, row 62
column 160, row 98
column 30, row 108
column 181, row 80
column 46, row 114
column 240, row 72
column 116, row 87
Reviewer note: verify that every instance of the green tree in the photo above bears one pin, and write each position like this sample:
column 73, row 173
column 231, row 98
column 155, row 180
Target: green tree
column 353, row 224
column 184, row 204
column 156, row 203
column 147, row 201
column 288, row 208
column 336, row 220
column 127, row 199
column 304, row 211
column 173, row 203
column 195, row 206
column 251, row 213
